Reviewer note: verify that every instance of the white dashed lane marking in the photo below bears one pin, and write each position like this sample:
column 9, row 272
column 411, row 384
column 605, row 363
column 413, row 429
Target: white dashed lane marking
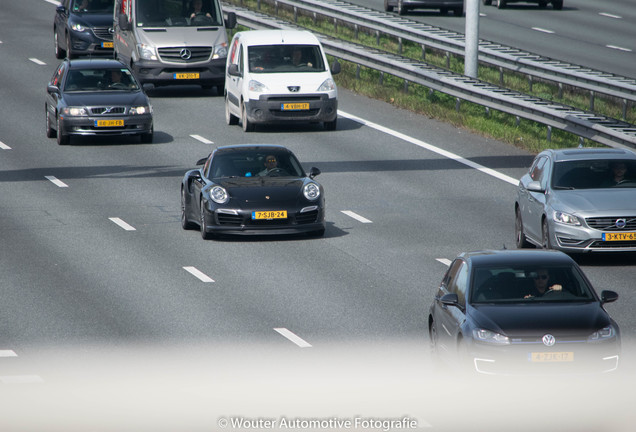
column 356, row 216
column 36, row 61
column 203, row 140
column 56, row 182
column 292, row 337
column 198, row 274
column 3, row 146
column 122, row 224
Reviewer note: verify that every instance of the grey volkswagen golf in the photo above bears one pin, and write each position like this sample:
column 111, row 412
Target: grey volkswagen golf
column 578, row 200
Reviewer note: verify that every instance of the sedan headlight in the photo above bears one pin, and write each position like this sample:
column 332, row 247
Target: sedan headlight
column 78, row 27
column 74, row 111
column 604, row 333
column 488, row 336
column 566, row 218
column 140, row 110
column 257, row 87
column 147, row 52
column 220, row 51
column 219, row 195
column 311, row 191
column 328, row 85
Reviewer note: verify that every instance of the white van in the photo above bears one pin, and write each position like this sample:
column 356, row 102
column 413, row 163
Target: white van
column 279, row 76
column 173, row 41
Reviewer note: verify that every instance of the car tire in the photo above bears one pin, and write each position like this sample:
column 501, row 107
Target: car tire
column 185, row 223
column 59, row 52
column 557, row 4
column 520, row 237
column 501, row 4
column 387, row 7
column 204, row 234
column 50, row 132
column 247, row 125
column 331, row 125
column 230, row 119
column 545, row 235
column 69, row 50
column 62, row 139
column 401, row 9
column 146, row 138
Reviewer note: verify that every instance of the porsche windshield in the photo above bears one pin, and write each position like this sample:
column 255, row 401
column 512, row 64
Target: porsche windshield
column 259, row 163
column 178, row 13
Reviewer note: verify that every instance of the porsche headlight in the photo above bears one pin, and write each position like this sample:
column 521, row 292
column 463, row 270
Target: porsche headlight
column 257, row 87
column 566, row 218
column 219, row 195
column 328, row 85
column 147, row 52
column 78, row 27
column 604, row 333
column 140, row 110
column 488, row 336
column 311, row 191
column 74, row 111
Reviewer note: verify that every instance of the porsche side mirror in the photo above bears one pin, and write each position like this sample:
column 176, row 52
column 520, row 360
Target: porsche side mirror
column 313, row 172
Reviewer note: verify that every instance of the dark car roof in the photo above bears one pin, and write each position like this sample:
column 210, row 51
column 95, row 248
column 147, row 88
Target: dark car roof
column 243, row 147
column 591, row 154
column 513, row 257
column 95, row 63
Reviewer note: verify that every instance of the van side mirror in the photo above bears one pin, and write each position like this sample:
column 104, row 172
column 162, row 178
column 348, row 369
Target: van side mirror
column 230, row 21
column 233, row 70
column 124, row 23
column 335, row 67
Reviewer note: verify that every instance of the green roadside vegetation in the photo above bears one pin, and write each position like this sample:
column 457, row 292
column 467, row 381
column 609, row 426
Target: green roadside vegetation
column 522, row 133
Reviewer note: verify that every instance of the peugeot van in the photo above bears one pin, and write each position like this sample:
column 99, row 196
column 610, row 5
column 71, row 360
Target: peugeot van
column 279, row 76
column 173, row 41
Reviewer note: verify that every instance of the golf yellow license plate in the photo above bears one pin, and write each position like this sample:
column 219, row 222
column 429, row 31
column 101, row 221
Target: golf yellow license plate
column 107, row 45
column 294, row 106
column 551, row 357
column 268, row 215
column 189, row 75
column 109, row 123
column 622, row 236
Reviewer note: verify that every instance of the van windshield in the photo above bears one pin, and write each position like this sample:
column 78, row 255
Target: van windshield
column 285, row 58
column 178, row 13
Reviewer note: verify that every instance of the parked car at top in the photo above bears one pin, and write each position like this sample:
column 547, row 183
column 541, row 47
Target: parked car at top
column 403, row 6
column 252, row 189
column 168, row 42
column 83, row 27
column 556, row 4
column 96, row 97
column 279, row 76
column 522, row 311
column 571, row 200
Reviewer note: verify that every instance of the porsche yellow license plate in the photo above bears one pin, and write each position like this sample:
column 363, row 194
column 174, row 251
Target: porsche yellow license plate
column 622, row 236
column 268, row 215
column 107, row 45
column 294, row 106
column 551, row 357
column 109, row 123
column 189, row 75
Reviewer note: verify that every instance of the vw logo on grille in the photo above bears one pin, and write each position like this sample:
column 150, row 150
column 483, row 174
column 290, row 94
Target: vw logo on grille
column 548, row 340
column 185, row 54
column 621, row 223
column 293, row 89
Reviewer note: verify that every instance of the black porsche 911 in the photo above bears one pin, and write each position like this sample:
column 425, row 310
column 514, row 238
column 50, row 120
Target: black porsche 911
column 252, row 189
column 515, row 311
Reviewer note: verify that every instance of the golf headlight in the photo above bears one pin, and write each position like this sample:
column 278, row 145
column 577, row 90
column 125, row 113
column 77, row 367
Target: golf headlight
column 311, row 191
column 328, row 85
column 219, row 195
column 220, row 51
column 566, row 218
column 488, row 336
column 255, row 86
column 140, row 110
column 147, row 52
column 604, row 333
column 74, row 111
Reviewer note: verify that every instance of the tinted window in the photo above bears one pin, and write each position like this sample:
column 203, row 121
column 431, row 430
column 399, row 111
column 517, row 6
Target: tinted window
column 593, row 174
column 177, row 13
column 100, row 79
column 285, row 58
column 93, row 6
column 253, row 164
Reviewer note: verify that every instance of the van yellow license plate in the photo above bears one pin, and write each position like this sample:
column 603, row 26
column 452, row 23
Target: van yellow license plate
column 619, row 236
column 294, row 106
column 268, row 215
column 188, row 75
column 107, row 45
column 109, row 123
column 551, row 357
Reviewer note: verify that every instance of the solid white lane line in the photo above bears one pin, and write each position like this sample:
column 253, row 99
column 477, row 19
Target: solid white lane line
column 203, row 140
column 3, row 146
column 618, row 48
column 53, row 2
column 356, row 216
column 36, row 61
column 21, row 379
column 432, row 148
column 292, row 337
column 56, row 182
column 8, row 353
column 542, row 30
column 609, row 15
column 198, row 274
column 444, row 261
column 122, row 224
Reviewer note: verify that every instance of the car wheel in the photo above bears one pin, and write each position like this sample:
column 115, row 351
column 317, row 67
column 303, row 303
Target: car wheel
column 50, row 132
column 557, row 4
column 204, row 234
column 487, row 2
column 331, row 125
column 62, row 139
column 69, row 50
column 501, row 4
column 520, row 236
column 220, row 89
column 146, row 138
column 545, row 231
column 247, row 125
column 401, row 9
column 387, row 7
column 59, row 52
column 185, row 223
column 230, row 118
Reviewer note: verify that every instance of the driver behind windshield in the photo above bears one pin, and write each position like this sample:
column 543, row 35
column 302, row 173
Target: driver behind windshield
column 196, row 9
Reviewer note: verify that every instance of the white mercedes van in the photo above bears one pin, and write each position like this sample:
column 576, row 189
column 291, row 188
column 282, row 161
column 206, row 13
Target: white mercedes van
column 279, row 76
column 173, row 41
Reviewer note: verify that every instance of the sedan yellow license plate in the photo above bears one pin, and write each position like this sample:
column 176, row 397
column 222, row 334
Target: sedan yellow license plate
column 294, row 106
column 622, row 236
column 107, row 45
column 551, row 357
column 189, row 75
column 268, row 215
column 109, row 123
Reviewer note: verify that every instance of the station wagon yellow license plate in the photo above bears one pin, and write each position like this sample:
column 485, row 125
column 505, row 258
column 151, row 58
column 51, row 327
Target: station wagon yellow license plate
column 294, row 106
column 268, row 215
column 551, row 357
column 109, row 123
column 188, row 75
column 619, row 236
column 107, row 45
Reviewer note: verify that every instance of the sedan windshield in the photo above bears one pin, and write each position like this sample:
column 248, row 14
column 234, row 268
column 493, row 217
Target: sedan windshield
column 79, row 80
column 520, row 284
column 253, row 163
column 594, row 174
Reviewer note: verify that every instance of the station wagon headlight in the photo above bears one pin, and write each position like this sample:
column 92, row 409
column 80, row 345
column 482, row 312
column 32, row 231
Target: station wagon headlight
column 311, row 191
column 147, row 52
column 255, row 86
column 219, row 195
column 328, row 85
column 488, row 336
column 74, row 111
column 604, row 333
column 140, row 110
column 566, row 218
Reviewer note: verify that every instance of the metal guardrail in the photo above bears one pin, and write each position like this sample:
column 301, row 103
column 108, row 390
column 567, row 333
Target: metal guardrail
column 602, row 129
